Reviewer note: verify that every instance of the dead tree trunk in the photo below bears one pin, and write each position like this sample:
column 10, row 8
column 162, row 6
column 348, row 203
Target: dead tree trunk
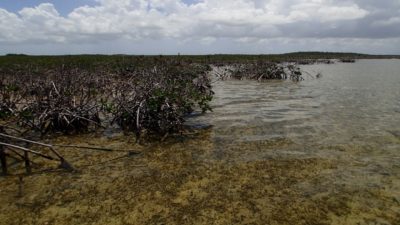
column 3, row 160
column 27, row 163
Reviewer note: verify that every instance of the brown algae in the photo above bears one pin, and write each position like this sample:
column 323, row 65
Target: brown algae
column 174, row 184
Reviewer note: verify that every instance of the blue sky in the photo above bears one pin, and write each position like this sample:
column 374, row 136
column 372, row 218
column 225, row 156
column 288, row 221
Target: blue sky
column 198, row 26
column 63, row 6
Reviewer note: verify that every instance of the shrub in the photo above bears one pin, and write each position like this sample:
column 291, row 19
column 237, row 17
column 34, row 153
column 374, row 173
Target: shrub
column 265, row 70
column 158, row 99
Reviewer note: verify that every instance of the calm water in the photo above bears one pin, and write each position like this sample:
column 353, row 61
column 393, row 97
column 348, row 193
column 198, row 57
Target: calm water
column 322, row 151
column 350, row 116
column 351, row 104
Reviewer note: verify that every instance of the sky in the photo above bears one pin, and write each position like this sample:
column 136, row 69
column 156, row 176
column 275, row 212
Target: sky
column 198, row 26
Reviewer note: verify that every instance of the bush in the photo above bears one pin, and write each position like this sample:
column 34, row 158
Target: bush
column 150, row 94
column 265, row 70
column 9, row 99
column 158, row 99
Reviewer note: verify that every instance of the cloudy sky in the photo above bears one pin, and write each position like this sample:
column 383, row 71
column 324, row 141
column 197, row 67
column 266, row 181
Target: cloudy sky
column 198, row 26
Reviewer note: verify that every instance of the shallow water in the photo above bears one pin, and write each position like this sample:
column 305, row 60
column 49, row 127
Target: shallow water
column 322, row 151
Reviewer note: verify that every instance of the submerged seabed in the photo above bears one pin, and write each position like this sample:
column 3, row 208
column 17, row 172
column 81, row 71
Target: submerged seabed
column 323, row 151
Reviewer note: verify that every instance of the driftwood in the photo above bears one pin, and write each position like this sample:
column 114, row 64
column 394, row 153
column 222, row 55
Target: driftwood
column 34, row 142
column 25, row 156
column 51, row 147
column 27, row 150
column 3, row 160
column 98, row 148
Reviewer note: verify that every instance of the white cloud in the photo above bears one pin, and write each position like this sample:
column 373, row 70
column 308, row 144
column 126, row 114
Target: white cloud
column 204, row 21
column 10, row 26
column 138, row 19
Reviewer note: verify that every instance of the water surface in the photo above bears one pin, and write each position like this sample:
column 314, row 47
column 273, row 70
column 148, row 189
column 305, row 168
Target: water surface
column 321, row 151
column 350, row 117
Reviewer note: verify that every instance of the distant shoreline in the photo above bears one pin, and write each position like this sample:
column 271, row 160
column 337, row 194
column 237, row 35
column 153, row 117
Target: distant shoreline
column 212, row 58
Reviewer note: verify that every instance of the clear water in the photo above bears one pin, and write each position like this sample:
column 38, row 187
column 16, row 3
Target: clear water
column 350, row 116
column 351, row 104
column 321, row 151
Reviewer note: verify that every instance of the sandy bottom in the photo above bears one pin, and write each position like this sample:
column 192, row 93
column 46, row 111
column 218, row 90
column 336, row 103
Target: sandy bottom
column 187, row 182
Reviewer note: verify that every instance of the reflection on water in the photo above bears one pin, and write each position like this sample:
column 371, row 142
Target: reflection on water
column 322, row 151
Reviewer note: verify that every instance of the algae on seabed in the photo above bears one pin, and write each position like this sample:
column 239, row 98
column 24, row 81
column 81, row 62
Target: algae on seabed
column 188, row 182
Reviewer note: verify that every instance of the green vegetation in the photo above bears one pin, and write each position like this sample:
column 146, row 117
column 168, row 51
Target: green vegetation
column 142, row 94
column 91, row 61
column 77, row 94
column 264, row 70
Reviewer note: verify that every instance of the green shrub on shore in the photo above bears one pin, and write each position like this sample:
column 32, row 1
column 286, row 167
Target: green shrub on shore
column 8, row 99
column 141, row 94
column 158, row 99
column 153, row 96
column 265, row 70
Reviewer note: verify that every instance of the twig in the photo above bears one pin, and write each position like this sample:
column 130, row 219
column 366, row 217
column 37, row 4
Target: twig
column 27, row 150
column 83, row 118
column 20, row 155
column 67, row 146
column 25, row 140
column 58, row 93
column 37, row 143
column 96, row 148
column 27, row 163
column 3, row 160
column 308, row 74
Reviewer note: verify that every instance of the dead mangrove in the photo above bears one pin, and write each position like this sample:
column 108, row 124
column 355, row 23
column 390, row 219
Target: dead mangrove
column 263, row 70
column 143, row 96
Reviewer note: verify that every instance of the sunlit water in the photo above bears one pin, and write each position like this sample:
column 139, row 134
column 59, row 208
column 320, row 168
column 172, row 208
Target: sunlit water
column 355, row 104
column 351, row 115
column 320, row 151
